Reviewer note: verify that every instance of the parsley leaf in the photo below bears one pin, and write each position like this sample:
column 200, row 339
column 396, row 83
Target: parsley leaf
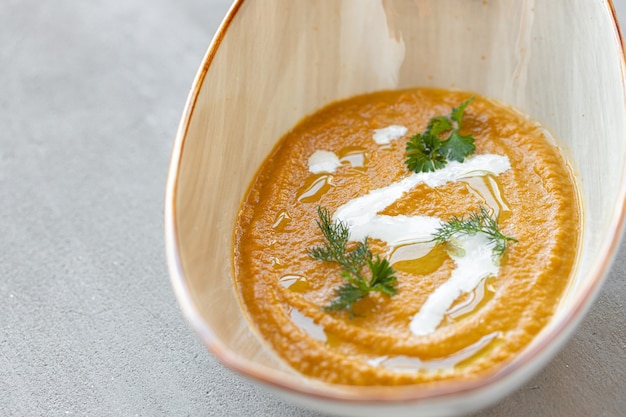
column 357, row 286
column 457, row 112
column 383, row 278
column 423, row 154
column 438, row 125
column 430, row 151
column 457, row 146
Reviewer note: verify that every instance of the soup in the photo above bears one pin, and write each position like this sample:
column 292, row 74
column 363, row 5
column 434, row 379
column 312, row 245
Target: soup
column 404, row 237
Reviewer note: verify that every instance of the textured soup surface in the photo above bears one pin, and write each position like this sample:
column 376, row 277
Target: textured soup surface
column 284, row 290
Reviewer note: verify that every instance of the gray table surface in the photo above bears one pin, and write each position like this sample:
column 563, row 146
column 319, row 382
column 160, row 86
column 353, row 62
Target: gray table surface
column 90, row 97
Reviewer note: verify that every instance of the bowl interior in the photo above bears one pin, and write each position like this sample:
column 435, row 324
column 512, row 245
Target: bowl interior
column 273, row 62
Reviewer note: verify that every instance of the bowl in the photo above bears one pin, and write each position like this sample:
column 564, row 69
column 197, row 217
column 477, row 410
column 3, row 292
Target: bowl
column 273, row 62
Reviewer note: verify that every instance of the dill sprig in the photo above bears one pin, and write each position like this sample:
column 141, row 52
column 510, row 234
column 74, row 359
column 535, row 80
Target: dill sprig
column 476, row 222
column 353, row 262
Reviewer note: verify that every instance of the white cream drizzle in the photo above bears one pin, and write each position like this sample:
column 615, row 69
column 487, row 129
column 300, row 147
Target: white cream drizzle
column 473, row 266
column 362, row 218
column 323, row 161
column 362, row 210
column 385, row 135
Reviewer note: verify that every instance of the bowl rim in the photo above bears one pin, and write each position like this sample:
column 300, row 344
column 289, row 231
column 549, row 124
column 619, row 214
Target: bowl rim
column 367, row 394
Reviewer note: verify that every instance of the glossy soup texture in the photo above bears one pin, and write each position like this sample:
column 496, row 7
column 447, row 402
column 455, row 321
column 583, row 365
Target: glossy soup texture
column 442, row 323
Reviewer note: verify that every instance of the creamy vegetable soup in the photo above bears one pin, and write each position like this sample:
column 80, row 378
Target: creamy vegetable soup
column 403, row 237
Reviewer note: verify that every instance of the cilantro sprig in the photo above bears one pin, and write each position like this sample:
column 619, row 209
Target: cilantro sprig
column 476, row 222
column 356, row 263
column 441, row 142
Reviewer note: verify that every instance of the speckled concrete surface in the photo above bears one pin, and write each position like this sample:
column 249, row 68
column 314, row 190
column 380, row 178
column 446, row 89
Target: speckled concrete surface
column 90, row 97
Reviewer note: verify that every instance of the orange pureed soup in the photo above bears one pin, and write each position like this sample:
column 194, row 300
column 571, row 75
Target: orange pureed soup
column 404, row 237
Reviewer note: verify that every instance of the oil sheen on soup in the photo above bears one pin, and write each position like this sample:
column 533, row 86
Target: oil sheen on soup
column 405, row 237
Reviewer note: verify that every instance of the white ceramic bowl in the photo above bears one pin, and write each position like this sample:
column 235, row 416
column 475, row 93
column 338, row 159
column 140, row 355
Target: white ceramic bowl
column 274, row 61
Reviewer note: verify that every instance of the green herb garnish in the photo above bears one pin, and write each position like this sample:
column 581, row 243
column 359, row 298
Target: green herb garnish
column 428, row 151
column 479, row 221
column 353, row 262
